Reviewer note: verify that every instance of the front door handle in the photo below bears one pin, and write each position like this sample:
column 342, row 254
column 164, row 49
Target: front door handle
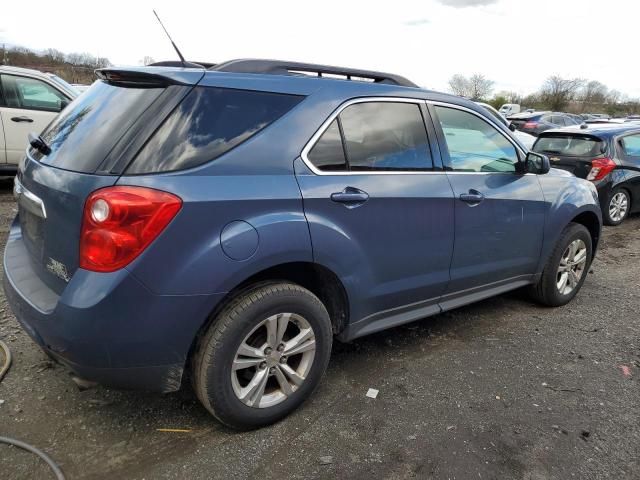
column 473, row 198
column 350, row 197
column 22, row 119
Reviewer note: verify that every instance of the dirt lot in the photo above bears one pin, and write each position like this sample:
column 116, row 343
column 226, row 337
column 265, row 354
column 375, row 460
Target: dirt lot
column 500, row 389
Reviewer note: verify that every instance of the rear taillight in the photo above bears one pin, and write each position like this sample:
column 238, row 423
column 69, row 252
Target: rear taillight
column 600, row 168
column 120, row 222
column 530, row 125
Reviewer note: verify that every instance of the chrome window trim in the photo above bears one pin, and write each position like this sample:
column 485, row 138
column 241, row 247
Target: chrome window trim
column 316, row 136
column 417, row 101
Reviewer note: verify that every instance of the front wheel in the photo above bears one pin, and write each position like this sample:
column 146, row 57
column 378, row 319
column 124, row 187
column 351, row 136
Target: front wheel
column 566, row 269
column 618, row 207
column 263, row 355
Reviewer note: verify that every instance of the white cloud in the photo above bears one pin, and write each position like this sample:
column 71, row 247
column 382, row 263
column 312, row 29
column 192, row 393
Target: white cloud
column 517, row 44
column 466, row 3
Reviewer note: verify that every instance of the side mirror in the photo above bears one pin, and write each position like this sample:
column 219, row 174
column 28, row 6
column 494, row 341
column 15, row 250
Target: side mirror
column 536, row 163
column 512, row 127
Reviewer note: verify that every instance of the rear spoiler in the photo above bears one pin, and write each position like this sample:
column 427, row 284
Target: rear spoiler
column 150, row 76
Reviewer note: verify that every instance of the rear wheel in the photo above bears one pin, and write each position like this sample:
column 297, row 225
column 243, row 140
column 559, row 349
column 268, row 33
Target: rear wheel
column 618, row 207
column 566, row 269
column 263, row 355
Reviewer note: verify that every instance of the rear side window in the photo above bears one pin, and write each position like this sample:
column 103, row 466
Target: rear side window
column 209, row 122
column 378, row 136
column 569, row 145
column 631, row 145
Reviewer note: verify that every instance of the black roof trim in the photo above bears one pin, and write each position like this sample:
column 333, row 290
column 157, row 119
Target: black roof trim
column 281, row 67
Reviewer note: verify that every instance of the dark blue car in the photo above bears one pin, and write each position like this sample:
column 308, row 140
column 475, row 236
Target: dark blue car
column 230, row 222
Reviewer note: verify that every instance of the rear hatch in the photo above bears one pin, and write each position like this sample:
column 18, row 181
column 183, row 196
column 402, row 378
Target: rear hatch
column 573, row 152
column 89, row 145
column 519, row 120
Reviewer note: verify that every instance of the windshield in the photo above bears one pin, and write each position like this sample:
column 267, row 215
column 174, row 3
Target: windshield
column 573, row 146
column 83, row 134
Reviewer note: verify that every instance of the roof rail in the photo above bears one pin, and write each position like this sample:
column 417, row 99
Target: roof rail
column 280, row 67
column 178, row 63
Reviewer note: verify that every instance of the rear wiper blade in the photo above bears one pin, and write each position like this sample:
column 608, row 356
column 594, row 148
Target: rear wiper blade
column 37, row 142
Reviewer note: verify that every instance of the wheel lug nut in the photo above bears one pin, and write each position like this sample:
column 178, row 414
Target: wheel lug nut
column 272, row 370
column 263, row 365
column 281, row 347
column 267, row 350
column 283, row 359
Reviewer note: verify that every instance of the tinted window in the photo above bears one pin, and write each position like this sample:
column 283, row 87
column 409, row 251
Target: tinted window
column 31, row 94
column 328, row 153
column 82, row 135
column 575, row 146
column 385, row 136
column 208, row 123
column 474, row 145
column 631, row 145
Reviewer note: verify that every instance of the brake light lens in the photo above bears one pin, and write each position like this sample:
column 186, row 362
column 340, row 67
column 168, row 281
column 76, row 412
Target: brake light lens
column 120, row 222
column 530, row 125
column 600, row 168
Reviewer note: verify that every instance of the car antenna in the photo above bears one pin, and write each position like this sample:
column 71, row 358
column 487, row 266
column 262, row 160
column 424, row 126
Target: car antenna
column 175, row 47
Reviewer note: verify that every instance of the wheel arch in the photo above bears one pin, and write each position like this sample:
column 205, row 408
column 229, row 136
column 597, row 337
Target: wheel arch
column 592, row 223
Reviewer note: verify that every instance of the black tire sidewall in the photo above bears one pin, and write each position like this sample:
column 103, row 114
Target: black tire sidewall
column 217, row 373
column 605, row 213
column 550, row 289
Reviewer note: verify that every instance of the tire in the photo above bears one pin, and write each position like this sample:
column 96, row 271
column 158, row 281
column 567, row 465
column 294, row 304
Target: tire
column 547, row 290
column 617, row 208
column 229, row 393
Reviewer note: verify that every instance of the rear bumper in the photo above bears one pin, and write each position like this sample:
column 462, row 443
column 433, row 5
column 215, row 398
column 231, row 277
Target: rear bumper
column 106, row 327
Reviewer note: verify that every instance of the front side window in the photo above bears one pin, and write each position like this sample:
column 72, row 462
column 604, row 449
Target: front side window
column 474, row 145
column 631, row 145
column 31, row 94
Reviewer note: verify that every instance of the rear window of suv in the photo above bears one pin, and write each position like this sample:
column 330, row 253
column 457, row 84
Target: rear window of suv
column 569, row 145
column 209, row 122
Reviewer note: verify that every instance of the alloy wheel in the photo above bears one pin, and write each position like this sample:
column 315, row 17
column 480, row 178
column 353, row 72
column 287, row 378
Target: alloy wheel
column 273, row 360
column 572, row 267
column 618, row 206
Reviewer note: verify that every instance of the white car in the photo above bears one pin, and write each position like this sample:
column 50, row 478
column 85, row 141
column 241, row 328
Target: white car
column 526, row 139
column 29, row 100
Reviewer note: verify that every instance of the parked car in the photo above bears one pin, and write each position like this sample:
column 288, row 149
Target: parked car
column 509, row 109
column 608, row 155
column 230, row 222
column 537, row 122
column 29, row 100
column 525, row 138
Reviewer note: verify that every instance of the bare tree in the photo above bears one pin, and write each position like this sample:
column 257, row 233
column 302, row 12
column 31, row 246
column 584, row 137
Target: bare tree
column 459, row 85
column 147, row 60
column 480, row 87
column 557, row 92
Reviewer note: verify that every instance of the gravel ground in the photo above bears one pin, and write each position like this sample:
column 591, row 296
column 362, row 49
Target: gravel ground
column 500, row 389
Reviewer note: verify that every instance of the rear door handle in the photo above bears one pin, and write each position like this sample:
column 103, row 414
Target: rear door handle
column 474, row 197
column 22, row 119
column 350, row 196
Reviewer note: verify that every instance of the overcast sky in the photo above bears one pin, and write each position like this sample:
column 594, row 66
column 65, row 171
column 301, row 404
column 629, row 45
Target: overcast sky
column 516, row 43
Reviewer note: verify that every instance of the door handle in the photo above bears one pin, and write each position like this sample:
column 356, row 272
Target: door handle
column 22, row 119
column 473, row 198
column 351, row 197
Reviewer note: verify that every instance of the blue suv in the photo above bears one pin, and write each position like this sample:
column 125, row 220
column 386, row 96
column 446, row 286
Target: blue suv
column 226, row 224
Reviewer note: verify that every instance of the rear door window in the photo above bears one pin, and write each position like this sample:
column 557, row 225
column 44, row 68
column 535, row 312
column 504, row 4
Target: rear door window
column 209, row 122
column 328, row 152
column 385, row 136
